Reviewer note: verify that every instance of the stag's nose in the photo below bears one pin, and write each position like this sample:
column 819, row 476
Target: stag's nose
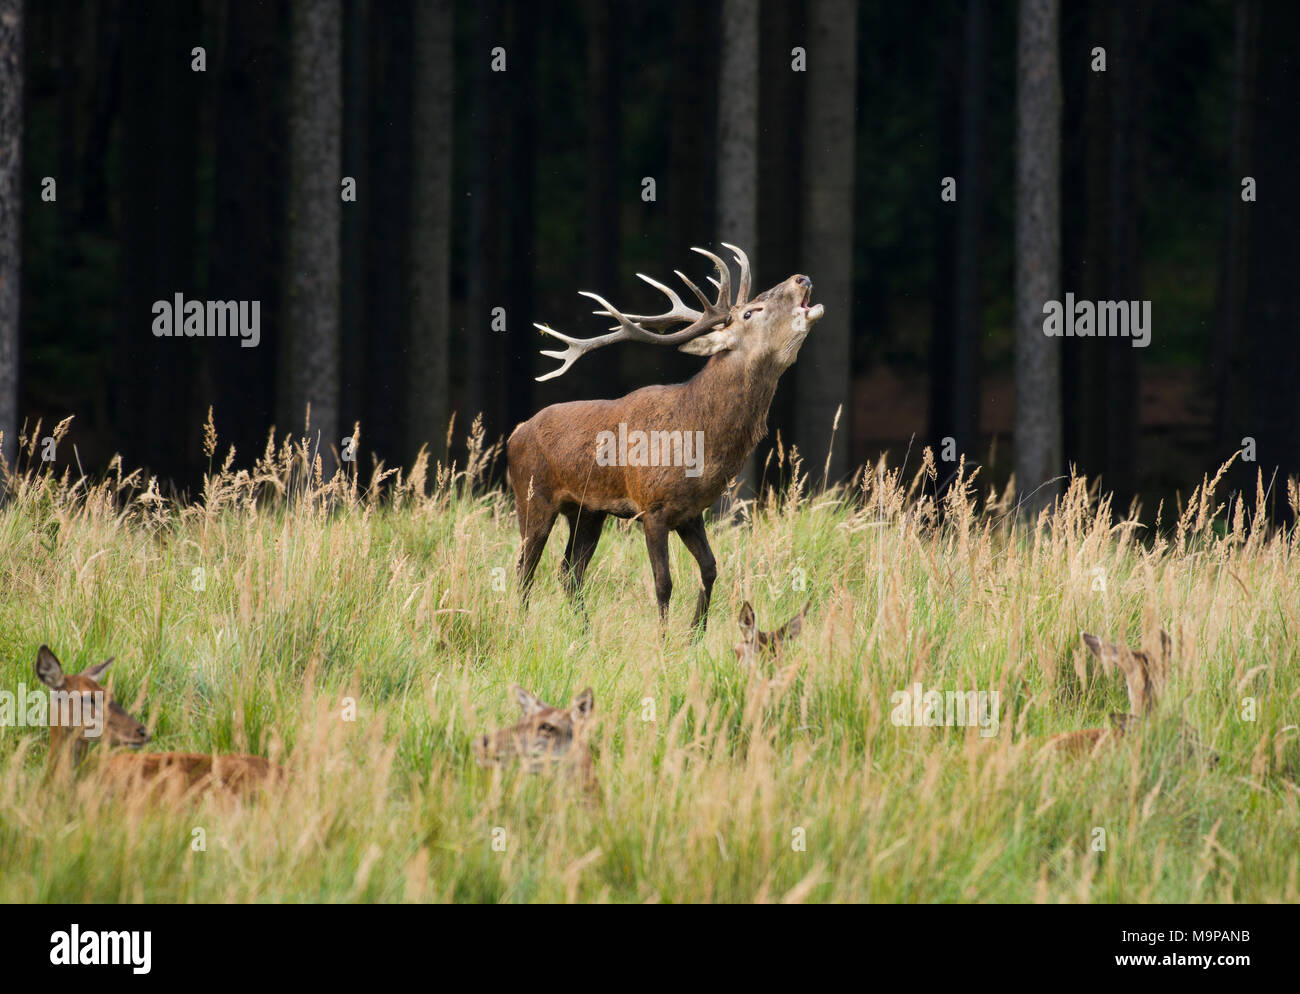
column 804, row 282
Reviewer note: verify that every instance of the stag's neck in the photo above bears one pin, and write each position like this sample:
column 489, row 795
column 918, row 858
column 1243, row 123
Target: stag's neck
column 734, row 397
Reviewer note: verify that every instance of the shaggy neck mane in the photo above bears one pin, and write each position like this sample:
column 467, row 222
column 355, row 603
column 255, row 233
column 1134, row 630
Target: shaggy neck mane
column 733, row 398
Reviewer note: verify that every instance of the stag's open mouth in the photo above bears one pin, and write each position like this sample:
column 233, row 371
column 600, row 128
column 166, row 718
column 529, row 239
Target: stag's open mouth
column 807, row 299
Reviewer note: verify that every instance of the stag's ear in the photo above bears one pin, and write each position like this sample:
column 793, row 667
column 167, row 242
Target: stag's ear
column 712, row 343
column 583, row 703
column 48, row 668
column 528, row 703
column 747, row 621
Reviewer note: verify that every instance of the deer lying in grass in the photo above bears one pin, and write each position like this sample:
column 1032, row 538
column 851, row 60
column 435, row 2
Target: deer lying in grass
column 544, row 738
column 96, row 715
column 688, row 440
column 754, row 643
column 1145, row 675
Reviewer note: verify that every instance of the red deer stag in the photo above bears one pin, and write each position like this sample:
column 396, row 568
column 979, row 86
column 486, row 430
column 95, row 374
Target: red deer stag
column 662, row 454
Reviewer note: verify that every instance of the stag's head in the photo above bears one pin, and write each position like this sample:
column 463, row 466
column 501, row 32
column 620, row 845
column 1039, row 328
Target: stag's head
column 767, row 328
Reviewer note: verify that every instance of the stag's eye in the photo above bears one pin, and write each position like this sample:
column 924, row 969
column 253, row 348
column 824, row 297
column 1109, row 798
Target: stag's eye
column 747, row 314
column 546, row 729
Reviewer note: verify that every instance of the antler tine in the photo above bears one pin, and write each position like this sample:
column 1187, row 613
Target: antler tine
column 724, row 274
column 569, row 355
column 707, row 304
column 742, row 291
column 678, row 313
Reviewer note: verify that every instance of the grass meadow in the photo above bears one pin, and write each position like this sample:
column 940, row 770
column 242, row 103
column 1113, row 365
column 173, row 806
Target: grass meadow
column 245, row 618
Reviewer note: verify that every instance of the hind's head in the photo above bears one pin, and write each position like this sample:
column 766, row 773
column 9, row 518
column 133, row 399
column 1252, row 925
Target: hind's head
column 82, row 710
column 754, row 643
column 543, row 737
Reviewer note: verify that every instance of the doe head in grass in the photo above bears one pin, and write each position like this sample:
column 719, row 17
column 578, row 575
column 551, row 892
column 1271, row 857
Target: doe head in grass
column 754, row 643
column 544, row 738
column 85, row 712
column 1146, row 672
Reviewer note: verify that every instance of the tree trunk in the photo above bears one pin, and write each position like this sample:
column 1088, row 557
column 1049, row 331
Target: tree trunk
column 430, row 382
column 1236, row 228
column 1037, row 254
column 11, row 166
column 521, row 337
column 779, row 231
column 1085, row 391
column 738, row 144
column 1127, row 162
column 1272, row 309
column 943, row 417
column 387, row 205
column 355, row 322
column 484, row 348
column 604, row 146
column 968, row 316
column 315, row 136
column 248, row 196
column 823, row 373
column 156, row 416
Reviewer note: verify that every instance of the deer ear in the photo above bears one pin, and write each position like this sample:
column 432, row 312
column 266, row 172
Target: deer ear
column 1120, row 722
column 48, row 668
column 794, row 626
column 95, row 672
column 528, row 703
column 712, row 343
column 1108, row 652
column 583, row 703
column 747, row 621
column 1166, row 645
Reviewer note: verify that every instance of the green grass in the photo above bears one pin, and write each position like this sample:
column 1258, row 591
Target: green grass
column 400, row 594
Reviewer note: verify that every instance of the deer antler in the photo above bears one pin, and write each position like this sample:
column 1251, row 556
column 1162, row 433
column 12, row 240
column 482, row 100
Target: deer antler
column 648, row 328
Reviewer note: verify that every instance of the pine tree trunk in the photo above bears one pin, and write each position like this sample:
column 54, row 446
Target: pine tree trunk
column 1037, row 254
column 430, row 382
column 315, row 136
column 823, row 370
column 738, row 145
column 11, row 164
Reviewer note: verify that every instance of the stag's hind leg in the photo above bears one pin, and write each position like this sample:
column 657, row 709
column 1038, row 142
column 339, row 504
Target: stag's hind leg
column 696, row 541
column 656, row 543
column 535, row 529
column 584, row 535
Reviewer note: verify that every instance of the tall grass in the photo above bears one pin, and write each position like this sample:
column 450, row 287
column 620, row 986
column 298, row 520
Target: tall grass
column 246, row 619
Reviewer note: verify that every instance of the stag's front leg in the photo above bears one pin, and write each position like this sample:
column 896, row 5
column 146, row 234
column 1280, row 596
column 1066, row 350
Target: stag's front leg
column 656, row 543
column 696, row 541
